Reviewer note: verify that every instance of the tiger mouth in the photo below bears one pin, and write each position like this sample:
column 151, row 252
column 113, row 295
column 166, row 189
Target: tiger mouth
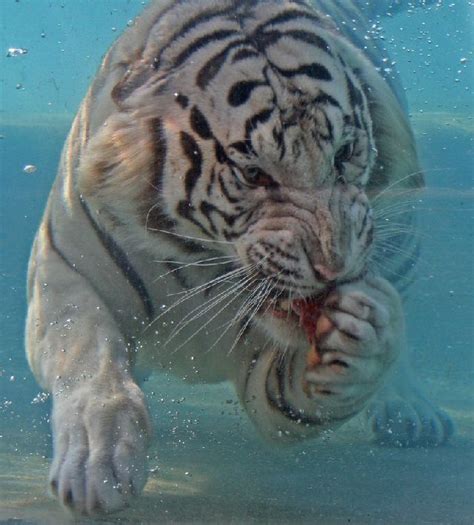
column 311, row 306
column 282, row 309
column 293, row 309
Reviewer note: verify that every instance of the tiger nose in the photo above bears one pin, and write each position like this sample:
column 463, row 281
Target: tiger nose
column 324, row 273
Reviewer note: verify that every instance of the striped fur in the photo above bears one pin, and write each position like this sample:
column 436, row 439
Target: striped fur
column 252, row 146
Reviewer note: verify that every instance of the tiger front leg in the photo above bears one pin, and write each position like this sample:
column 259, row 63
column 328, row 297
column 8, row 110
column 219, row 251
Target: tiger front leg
column 100, row 437
column 359, row 336
column 100, row 422
column 360, row 333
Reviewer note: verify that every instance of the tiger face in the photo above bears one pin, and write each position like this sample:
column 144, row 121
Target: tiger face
column 260, row 139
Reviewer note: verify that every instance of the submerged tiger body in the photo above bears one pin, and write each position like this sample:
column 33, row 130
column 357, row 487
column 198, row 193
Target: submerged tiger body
column 230, row 161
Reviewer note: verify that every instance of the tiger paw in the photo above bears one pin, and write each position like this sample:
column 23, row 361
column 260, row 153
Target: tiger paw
column 357, row 338
column 100, row 442
column 407, row 419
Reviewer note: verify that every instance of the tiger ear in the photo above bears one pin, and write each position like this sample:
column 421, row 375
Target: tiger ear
column 116, row 167
column 397, row 157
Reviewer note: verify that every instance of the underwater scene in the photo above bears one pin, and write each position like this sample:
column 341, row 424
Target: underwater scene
column 207, row 461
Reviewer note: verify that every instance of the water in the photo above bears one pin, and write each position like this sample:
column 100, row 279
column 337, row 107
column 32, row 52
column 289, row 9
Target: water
column 207, row 464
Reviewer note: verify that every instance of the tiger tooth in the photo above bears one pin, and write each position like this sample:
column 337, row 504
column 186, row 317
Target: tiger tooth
column 285, row 304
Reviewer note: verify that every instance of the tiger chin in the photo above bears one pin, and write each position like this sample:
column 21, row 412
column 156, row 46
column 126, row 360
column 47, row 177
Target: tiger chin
column 230, row 160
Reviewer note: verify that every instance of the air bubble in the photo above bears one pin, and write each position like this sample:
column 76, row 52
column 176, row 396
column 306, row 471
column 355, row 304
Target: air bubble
column 29, row 168
column 16, row 51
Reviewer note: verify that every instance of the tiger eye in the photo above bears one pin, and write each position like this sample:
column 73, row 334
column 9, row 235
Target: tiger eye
column 257, row 177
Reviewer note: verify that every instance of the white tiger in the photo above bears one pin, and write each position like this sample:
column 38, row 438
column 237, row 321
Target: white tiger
column 256, row 145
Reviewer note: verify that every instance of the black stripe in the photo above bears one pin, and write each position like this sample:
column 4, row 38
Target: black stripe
column 50, row 236
column 210, row 185
column 288, row 16
column 186, row 210
column 201, row 42
column 252, row 123
column 120, row 259
column 270, row 38
column 330, row 135
column 243, row 54
column 279, row 251
column 277, row 400
column 240, row 92
column 315, row 70
column 212, row 67
column 159, row 153
column 363, row 225
column 197, row 20
column 207, row 209
column 182, row 100
column 178, row 274
column 199, row 124
column 243, row 147
column 259, row 118
column 220, row 153
column 52, row 243
column 277, row 134
column 192, row 23
column 194, row 155
column 355, row 95
column 324, row 98
column 154, row 216
column 225, row 191
column 270, row 264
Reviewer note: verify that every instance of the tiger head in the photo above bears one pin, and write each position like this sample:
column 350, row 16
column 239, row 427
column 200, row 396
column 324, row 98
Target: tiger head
column 257, row 137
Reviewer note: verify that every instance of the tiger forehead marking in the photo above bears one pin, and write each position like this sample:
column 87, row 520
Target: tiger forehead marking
column 264, row 94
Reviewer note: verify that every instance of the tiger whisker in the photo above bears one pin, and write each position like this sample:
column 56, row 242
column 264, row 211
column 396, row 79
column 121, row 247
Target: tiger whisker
column 385, row 246
column 258, row 303
column 202, row 309
column 394, row 229
column 252, row 303
column 398, row 207
column 190, row 237
column 381, row 265
column 202, row 327
column 196, row 263
column 244, row 307
column 282, row 354
column 213, row 282
column 241, row 312
column 156, row 205
column 226, row 276
column 201, row 263
column 196, row 290
column 395, row 183
column 390, row 233
column 239, row 315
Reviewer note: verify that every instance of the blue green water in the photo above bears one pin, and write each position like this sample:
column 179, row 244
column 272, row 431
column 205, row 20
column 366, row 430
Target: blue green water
column 210, row 466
